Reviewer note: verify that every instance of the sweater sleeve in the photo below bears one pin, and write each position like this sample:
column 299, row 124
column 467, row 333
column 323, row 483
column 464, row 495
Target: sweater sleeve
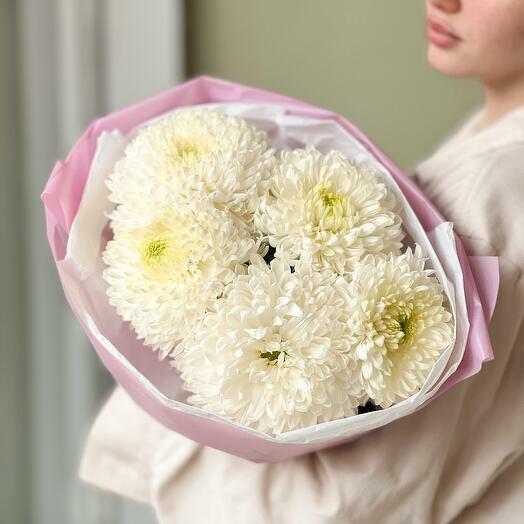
column 120, row 447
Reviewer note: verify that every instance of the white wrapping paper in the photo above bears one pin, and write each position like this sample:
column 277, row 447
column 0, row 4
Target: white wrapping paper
column 89, row 235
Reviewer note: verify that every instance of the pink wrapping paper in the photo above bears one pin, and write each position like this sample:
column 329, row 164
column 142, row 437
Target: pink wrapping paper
column 62, row 196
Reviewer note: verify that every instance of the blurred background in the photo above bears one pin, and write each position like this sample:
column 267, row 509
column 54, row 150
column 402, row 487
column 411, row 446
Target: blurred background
column 65, row 62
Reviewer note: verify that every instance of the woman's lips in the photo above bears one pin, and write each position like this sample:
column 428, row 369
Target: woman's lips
column 440, row 36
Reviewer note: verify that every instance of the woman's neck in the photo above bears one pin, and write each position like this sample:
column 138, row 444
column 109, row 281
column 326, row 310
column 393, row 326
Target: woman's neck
column 501, row 98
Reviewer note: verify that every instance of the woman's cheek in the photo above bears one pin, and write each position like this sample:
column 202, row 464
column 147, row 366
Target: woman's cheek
column 503, row 49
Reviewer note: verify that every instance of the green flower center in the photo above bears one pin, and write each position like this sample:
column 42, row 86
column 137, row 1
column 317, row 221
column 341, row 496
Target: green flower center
column 154, row 250
column 329, row 210
column 398, row 325
column 272, row 356
column 330, row 200
column 274, row 347
column 166, row 252
column 406, row 327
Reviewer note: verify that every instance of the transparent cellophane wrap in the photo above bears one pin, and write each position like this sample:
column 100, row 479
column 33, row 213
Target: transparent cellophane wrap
column 155, row 384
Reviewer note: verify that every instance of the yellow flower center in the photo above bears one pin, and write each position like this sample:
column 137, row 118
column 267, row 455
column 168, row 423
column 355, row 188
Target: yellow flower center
column 398, row 325
column 329, row 210
column 330, row 200
column 188, row 151
column 407, row 327
column 166, row 251
column 154, row 250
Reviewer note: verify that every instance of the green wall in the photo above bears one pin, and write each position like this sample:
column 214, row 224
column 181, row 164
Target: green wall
column 363, row 59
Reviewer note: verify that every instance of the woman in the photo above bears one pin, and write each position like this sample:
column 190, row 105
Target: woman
column 458, row 460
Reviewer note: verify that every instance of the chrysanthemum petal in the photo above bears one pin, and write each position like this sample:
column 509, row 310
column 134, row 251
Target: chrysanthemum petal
column 329, row 209
column 275, row 350
column 399, row 323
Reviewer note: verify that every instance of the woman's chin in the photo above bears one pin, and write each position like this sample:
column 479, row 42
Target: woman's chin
column 447, row 62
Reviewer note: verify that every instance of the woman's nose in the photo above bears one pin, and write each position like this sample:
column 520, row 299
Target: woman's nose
column 448, row 6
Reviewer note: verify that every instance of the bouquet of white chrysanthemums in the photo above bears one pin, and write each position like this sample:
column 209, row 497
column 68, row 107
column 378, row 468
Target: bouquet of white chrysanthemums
column 258, row 275
column 276, row 281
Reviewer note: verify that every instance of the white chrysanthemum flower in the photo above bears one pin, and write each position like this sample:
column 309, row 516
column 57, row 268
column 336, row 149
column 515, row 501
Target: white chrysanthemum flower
column 165, row 275
column 274, row 354
column 326, row 207
column 399, row 323
column 195, row 149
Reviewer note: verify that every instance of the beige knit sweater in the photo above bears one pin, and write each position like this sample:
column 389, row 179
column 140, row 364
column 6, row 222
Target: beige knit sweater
column 460, row 460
